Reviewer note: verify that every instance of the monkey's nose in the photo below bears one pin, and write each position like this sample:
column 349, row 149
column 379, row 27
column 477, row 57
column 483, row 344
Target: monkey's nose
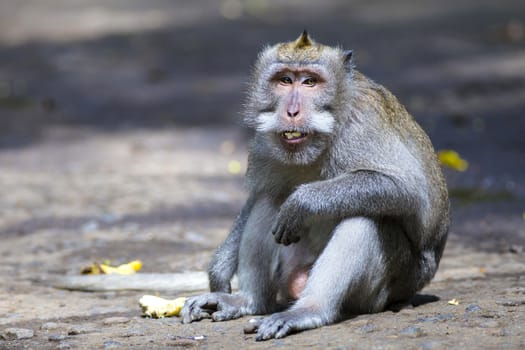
column 292, row 113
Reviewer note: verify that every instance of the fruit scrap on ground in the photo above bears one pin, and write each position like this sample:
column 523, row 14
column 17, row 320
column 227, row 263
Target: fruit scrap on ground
column 156, row 307
column 124, row 269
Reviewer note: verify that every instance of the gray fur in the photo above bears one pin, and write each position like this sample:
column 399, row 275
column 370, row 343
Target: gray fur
column 363, row 203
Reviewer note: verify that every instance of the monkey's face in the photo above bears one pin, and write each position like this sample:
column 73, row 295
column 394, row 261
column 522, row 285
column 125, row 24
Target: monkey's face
column 292, row 99
column 297, row 121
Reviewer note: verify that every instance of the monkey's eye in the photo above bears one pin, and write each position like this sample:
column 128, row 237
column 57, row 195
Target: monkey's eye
column 285, row 80
column 310, row 81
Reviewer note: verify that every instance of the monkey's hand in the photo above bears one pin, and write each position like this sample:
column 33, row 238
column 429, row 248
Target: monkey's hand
column 290, row 221
column 217, row 306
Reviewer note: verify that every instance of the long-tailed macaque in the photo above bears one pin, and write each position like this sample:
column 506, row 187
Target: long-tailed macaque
column 347, row 211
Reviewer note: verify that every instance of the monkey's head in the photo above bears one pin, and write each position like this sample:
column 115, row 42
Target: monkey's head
column 292, row 102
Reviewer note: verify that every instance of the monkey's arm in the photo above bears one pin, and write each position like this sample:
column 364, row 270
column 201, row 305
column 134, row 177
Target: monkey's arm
column 224, row 262
column 360, row 193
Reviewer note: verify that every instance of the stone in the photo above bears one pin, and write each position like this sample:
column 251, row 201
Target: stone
column 472, row 308
column 413, row 332
column 437, row 318
column 77, row 329
column 511, row 302
column 57, row 337
column 489, row 324
column 111, row 344
column 369, row 328
column 17, row 333
column 49, row 326
column 134, row 332
column 63, row 346
column 115, row 320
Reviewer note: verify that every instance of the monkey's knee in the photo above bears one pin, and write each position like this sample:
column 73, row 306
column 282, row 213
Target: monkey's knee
column 366, row 265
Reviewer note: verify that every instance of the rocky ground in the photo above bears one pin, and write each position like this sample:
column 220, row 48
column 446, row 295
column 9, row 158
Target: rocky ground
column 119, row 129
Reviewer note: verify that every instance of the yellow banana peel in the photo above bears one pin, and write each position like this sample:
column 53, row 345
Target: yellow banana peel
column 153, row 306
column 124, row 269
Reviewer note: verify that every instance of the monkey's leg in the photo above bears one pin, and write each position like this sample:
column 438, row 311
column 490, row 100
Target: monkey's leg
column 256, row 291
column 351, row 270
column 225, row 260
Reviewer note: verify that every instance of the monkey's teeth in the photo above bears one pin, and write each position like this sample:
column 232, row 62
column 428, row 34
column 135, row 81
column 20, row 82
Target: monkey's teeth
column 292, row 134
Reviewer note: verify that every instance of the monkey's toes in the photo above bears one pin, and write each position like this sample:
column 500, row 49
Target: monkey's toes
column 284, row 323
column 272, row 327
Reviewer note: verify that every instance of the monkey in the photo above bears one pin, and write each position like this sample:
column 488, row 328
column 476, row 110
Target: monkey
column 347, row 210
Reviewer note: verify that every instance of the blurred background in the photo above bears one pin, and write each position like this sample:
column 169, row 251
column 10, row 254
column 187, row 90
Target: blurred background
column 71, row 68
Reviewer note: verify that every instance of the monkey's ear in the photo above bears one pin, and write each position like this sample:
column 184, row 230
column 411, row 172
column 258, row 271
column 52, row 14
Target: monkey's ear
column 347, row 57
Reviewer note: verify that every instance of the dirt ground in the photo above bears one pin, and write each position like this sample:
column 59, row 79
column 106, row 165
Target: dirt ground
column 119, row 123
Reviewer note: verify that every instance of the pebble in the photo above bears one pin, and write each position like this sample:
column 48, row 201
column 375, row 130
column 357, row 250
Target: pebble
column 515, row 290
column 490, row 314
column 437, row 318
column 489, row 324
column 115, row 320
column 110, row 218
column 79, row 329
column 111, row 344
column 182, row 343
column 63, row 346
column 472, row 308
column 49, row 326
column 368, row 328
column 185, row 342
column 406, row 312
column 134, row 332
column 432, row 345
column 509, row 302
column 17, row 333
column 90, row 226
column 57, row 337
column 413, row 332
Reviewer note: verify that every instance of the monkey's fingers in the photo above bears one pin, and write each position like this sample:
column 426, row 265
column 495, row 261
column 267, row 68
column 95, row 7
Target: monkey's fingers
column 278, row 233
column 197, row 308
column 190, row 314
column 227, row 312
column 284, row 235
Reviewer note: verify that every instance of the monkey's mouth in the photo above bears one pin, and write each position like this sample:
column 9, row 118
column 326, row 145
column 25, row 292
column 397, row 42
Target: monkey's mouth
column 293, row 137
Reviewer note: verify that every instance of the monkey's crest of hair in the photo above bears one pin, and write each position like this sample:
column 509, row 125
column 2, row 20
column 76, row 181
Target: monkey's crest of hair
column 302, row 49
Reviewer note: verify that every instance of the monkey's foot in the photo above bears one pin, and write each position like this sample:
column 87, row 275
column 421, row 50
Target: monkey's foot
column 217, row 306
column 281, row 324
